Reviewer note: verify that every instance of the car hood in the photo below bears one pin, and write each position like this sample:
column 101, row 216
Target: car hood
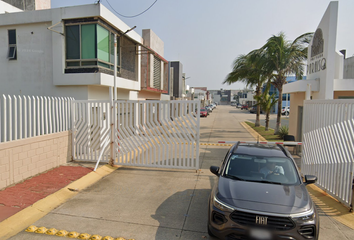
column 283, row 199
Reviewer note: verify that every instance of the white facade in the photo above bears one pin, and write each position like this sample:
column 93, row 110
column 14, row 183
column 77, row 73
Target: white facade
column 41, row 56
column 8, row 8
column 325, row 66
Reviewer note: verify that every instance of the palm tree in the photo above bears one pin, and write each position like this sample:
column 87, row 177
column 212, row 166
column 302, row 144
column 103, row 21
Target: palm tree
column 246, row 70
column 266, row 102
column 284, row 58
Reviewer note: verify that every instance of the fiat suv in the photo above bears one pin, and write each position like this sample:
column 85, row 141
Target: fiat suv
column 259, row 194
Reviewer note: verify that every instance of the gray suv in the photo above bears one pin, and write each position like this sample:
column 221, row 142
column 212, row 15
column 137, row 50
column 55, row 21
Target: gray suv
column 259, row 194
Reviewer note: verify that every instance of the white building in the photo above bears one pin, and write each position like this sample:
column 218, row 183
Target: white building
column 325, row 71
column 69, row 52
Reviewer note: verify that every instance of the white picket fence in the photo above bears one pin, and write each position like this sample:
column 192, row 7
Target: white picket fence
column 328, row 145
column 29, row 116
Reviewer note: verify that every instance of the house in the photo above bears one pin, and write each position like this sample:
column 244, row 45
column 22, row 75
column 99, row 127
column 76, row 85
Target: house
column 329, row 74
column 154, row 68
column 69, row 51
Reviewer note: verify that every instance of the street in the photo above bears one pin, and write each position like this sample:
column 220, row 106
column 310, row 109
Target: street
column 146, row 203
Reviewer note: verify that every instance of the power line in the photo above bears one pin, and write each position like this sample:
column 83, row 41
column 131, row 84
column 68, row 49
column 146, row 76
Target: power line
column 133, row 15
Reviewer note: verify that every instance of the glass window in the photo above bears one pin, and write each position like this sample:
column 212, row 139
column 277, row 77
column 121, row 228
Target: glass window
column 88, row 41
column 12, row 36
column 103, row 43
column 12, row 52
column 72, row 42
column 258, row 169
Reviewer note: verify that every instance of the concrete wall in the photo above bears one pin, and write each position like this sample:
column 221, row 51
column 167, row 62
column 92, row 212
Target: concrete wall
column 146, row 95
column 8, row 8
column 152, row 41
column 348, row 68
column 297, row 99
column 349, row 94
column 25, row 158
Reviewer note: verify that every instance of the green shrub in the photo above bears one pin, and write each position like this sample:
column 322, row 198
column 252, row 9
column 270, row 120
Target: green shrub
column 283, row 130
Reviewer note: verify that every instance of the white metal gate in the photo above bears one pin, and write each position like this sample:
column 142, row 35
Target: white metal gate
column 328, row 149
column 162, row 134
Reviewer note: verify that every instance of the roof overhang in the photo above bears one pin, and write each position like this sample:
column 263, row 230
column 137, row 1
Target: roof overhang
column 301, row 86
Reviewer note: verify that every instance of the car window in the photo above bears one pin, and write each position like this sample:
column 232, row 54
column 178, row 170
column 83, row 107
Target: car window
column 258, row 169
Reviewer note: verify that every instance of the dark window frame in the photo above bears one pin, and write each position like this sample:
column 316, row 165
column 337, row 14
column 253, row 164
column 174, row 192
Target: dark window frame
column 12, row 41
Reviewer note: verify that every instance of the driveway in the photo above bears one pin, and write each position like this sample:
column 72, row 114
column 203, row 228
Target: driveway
column 142, row 203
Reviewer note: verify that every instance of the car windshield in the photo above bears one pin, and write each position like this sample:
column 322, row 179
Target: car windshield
column 202, row 110
column 275, row 170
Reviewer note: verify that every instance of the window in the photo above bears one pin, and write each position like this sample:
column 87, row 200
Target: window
column 12, row 54
column 90, row 45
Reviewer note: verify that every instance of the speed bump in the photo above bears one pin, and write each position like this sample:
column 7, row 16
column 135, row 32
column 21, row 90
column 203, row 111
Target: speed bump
column 72, row 234
column 51, row 231
column 41, row 230
column 62, row 233
column 84, row 236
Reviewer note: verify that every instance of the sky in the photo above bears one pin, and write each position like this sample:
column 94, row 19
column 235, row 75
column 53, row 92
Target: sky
column 206, row 36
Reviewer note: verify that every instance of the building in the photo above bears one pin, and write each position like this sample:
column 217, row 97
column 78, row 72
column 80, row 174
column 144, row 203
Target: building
column 70, row 52
column 29, row 5
column 326, row 69
column 176, row 80
column 154, row 68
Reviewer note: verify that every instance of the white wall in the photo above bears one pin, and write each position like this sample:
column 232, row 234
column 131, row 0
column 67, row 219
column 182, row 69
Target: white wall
column 8, row 8
column 39, row 68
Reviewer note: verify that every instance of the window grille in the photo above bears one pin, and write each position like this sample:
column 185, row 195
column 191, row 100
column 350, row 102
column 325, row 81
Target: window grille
column 157, row 73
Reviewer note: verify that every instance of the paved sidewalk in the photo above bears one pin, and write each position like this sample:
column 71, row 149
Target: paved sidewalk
column 16, row 198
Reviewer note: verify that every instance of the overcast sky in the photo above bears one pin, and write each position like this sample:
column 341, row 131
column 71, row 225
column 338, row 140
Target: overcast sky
column 207, row 35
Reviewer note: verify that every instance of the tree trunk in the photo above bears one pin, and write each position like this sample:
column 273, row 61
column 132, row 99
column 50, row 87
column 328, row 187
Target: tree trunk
column 257, row 124
column 267, row 121
column 280, row 101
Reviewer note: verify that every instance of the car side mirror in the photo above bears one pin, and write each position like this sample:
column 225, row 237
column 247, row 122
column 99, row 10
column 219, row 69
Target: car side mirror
column 215, row 170
column 309, row 179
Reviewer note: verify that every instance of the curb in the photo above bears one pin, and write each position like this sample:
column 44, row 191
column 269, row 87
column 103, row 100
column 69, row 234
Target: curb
column 331, row 206
column 254, row 134
column 21, row 220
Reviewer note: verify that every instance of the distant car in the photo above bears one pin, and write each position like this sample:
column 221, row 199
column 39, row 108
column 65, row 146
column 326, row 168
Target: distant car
column 260, row 194
column 233, row 103
column 253, row 109
column 203, row 112
column 285, row 110
column 244, row 107
column 238, row 105
column 209, row 109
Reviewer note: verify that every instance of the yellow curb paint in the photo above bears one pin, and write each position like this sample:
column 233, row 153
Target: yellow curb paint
column 254, row 134
column 331, row 206
column 21, row 220
column 72, row 234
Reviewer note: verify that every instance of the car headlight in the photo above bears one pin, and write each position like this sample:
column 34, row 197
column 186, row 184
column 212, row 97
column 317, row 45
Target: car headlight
column 308, row 217
column 222, row 206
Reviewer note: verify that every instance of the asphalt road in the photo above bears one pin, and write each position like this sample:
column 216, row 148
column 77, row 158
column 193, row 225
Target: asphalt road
column 161, row 204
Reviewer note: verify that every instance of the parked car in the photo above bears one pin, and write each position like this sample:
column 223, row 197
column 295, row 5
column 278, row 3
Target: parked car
column 203, row 112
column 260, row 194
column 238, row 105
column 244, row 107
column 209, row 109
column 233, row 103
column 285, row 110
column 253, row 109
